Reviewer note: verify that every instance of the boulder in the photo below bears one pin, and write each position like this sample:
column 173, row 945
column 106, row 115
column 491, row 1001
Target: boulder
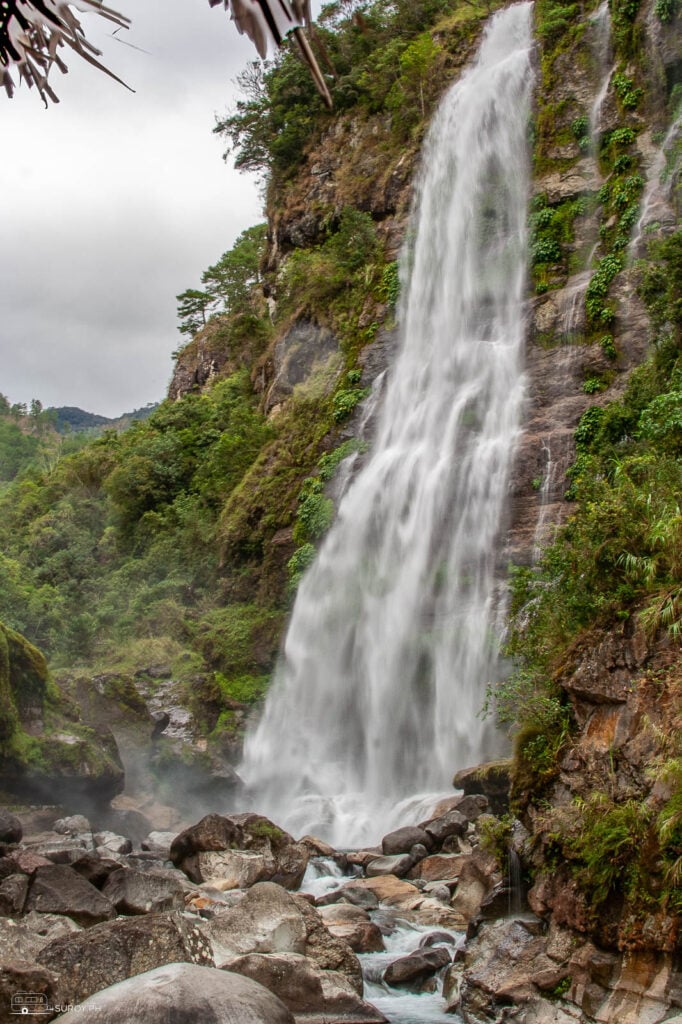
column 349, row 894
column 95, row 869
column 454, row 823
column 492, row 779
column 28, row 862
column 186, row 994
column 353, row 925
column 72, row 825
column 437, row 868
column 270, row 920
column 159, row 843
column 27, row 989
column 397, row 865
column 58, row 889
column 403, row 839
column 108, row 843
column 241, row 849
column 142, row 892
column 305, row 988
column 472, row 807
column 413, row 970
column 388, row 889
column 18, row 941
column 11, row 829
column 13, row 892
column 108, row 953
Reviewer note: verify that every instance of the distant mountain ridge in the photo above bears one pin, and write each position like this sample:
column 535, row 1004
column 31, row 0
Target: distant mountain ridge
column 71, row 418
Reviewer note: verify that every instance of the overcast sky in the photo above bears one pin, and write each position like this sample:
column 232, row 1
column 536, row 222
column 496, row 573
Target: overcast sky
column 114, row 202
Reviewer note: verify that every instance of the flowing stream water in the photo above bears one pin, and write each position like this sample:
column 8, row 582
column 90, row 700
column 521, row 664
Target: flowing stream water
column 394, row 633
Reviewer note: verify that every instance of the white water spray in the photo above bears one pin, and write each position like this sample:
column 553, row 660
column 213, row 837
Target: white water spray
column 393, row 635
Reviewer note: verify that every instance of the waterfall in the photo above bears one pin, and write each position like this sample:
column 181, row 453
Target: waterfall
column 393, row 635
column 601, row 48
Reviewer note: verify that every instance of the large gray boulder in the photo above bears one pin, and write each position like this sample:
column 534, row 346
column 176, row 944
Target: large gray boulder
column 403, row 839
column 413, row 970
column 271, row 920
column 307, row 989
column 354, row 926
column 10, row 827
column 57, row 889
column 181, row 993
column 142, row 892
column 239, row 851
column 108, row 953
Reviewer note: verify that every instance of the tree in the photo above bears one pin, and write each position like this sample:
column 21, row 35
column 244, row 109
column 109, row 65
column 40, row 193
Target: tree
column 194, row 309
column 232, row 279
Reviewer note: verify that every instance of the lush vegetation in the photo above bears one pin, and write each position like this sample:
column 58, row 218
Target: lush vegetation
column 385, row 58
column 618, row 560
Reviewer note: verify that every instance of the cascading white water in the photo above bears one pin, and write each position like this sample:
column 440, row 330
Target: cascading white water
column 601, row 48
column 393, row 636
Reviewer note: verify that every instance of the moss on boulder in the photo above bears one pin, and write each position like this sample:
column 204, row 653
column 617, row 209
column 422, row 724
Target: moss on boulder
column 45, row 751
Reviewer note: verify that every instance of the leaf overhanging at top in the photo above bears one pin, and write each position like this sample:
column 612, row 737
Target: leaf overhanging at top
column 33, row 31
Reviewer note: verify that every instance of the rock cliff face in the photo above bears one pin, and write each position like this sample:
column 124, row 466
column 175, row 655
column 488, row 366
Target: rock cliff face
column 622, row 686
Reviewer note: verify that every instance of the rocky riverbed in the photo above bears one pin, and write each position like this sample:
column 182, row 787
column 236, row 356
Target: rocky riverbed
column 233, row 920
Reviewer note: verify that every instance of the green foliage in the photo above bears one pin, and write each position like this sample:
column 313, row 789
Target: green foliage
column 233, row 280
column 194, row 309
column 593, row 385
column 666, row 10
column 315, row 512
column 604, row 849
column 390, row 283
column 244, row 689
column 385, row 59
column 626, row 91
column 228, row 637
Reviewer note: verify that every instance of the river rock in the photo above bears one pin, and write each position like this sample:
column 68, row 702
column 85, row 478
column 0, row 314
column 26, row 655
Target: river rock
column 354, row 926
column 403, row 839
column 141, row 892
column 72, row 825
column 306, row 989
column 20, row 978
column 58, row 889
column 413, row 970
column 159, row 843
column 349, row 894
column 13, row 892
column 398, row 865
column 186, row 994
column 394, row 892
column 242, row 849
column 108, row 843
column 95, row 869
column 437, row 868
column 454, row 823
column 11, row 829
column 108, row 953
column 270, row 920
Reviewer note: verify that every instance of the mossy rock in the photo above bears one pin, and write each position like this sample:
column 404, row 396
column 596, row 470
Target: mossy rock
column 44, row 754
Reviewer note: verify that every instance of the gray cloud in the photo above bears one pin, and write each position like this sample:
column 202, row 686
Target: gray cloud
column 112, row 203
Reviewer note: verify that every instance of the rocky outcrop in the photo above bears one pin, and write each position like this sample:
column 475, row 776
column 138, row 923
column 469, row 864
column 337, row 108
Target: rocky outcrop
column 239, row 851
column 555, row 978
column 45, row 751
